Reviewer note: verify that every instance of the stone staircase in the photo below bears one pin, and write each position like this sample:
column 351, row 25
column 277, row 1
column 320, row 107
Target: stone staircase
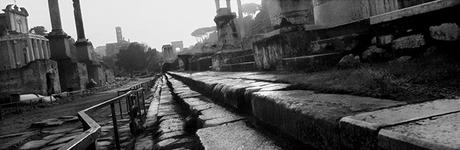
column 187, row 119
column 316, row 120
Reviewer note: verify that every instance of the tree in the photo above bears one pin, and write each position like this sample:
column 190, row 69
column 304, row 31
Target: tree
column 250, row 9
column 203, row 33
column 154, row 60
column 133, row 58
column 39, row 30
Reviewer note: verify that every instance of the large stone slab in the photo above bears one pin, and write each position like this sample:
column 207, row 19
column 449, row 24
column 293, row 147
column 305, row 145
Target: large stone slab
column 309, row 117
column 441, row 133
column 235, row 136
column 362, row 129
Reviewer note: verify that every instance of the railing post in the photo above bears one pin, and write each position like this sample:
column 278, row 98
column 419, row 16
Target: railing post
column 143, row 102
column 121, row 110
column 1, row 112
column 138, row 103
column 115, row 126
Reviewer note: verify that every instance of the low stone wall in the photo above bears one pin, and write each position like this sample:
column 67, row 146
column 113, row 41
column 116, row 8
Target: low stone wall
column 223, row 61
column 38, row 77
column 404, row 31
column 74, row 75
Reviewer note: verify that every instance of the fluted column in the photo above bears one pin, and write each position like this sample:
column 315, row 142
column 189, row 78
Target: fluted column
column 217, row 4
column 55, row 16
column 30, row 49
column 229, row 6
column 79, row 21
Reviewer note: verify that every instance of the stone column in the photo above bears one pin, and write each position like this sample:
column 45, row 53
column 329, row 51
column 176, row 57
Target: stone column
column 36, row 49
column 79, row 21
column 217, row 4
column 30, row 49
column 40, row 49
column 240, row 16
column 48, row 50
column 229, row 6
column 55, row 15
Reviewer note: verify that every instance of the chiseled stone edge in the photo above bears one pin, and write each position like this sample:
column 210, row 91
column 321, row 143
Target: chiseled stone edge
column 390, row 139
column 359, row 134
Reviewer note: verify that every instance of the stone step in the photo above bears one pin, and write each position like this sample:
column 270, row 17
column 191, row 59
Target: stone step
column 244, row 66
column 218, row 127
column 311, row 63
column 165, row 124
column 335, row 121
column 429, row 125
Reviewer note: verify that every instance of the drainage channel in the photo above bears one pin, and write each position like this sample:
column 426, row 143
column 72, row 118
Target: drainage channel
column 189, row 120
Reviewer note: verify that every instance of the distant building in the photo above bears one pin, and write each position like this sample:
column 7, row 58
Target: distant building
column 169, row 54
column 113, row 49
column 120, row 38
column 101, row 50
column 177, row 45
column 25, row 65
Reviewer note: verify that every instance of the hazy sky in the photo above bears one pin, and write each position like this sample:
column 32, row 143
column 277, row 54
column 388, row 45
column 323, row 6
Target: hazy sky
column 154, row 22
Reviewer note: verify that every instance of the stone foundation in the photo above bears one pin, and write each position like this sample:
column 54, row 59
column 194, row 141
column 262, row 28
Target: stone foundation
column 38, row 77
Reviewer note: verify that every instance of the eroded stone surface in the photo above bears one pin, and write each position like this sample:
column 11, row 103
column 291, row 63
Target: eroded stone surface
column 63, row 140
column 234, row 136
column 441, row 132
column 311, row 118
column 34, row 144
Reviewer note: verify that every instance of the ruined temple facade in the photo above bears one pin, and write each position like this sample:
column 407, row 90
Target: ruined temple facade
column 18, row 47
column 25, row 65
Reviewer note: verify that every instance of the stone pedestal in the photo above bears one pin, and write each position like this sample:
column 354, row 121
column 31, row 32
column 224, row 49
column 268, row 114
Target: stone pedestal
column 228, row 36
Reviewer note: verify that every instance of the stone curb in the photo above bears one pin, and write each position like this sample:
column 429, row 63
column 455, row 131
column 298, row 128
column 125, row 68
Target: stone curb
column 352, row 129
column 152, row 112
column 342, row 124
column 382, row 128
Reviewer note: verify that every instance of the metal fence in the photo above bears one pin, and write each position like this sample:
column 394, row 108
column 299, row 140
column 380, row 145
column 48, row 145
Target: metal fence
column 135, row 102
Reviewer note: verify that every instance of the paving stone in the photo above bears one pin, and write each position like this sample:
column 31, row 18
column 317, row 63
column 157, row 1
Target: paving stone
column 235, row 136
column 53, row 136
column 63, row 140
column 56, row 131
column 106, row 128
column 54, row 147
column 442, row 132
column 48, row 123
column 105, row 139
column 68, row 118
column 309, row 117
column 34, row 144
column 103, row 143
column 175, row 143
column 13, row 140
column 174, row 134
column 364, row 127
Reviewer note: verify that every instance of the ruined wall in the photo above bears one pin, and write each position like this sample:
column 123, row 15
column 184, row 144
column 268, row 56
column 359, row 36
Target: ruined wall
column 402, row 32
column 109, row 75
column 96, row 73
column 222, row 59
column 337, row 12
column 293, row 42
column 294, row 11
column 38, row 77
column 74, row 75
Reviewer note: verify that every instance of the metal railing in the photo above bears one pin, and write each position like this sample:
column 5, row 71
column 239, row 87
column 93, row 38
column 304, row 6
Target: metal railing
column 133, row 96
